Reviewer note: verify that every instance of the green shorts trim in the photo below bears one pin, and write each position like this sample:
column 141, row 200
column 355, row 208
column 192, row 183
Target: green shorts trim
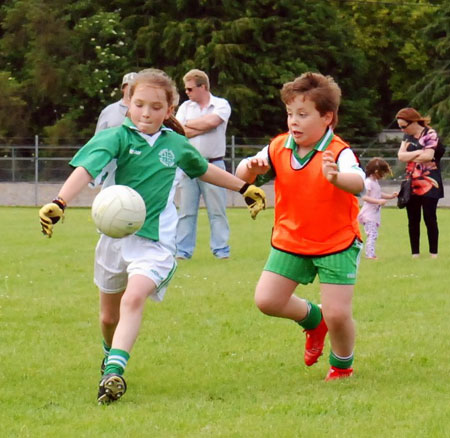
column 339, row 268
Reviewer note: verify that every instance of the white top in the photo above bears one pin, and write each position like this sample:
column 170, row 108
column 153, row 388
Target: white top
column 111, row 116
column 371, row 212
column 212, row 144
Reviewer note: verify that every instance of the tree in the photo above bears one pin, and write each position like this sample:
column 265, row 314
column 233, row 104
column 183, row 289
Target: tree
column 431, row 94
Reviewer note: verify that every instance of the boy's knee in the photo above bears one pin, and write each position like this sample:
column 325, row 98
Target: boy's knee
column 337, row 318
column 265, row 303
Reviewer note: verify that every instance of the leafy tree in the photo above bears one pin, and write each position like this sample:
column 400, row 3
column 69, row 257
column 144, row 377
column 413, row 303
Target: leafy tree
column 390, row 36
column 431, row 94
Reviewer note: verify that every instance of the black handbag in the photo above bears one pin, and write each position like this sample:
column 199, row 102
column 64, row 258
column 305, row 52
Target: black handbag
column 404, row 195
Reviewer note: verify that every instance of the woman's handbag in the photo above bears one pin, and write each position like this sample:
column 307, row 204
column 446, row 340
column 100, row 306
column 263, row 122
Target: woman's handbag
column 404, row 195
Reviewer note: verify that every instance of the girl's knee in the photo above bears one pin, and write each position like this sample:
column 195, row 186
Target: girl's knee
column 337, row 318
column 132, row 301
column 109, row 319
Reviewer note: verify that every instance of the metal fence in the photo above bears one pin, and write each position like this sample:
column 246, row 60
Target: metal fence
column 40, row 163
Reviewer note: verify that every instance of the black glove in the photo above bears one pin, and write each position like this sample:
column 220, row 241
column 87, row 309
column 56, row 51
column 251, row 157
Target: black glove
column 50, row 214
column 254, row 197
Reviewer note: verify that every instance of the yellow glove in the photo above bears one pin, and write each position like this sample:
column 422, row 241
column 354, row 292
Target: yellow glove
column 254, row 197
column 50, row 214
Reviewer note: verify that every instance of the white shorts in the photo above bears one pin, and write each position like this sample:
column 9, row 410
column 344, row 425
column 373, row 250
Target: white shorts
column 118, row 259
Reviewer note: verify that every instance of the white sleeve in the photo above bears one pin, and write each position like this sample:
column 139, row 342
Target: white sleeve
column 181, row 113
column 223, row 109
column 348, row 163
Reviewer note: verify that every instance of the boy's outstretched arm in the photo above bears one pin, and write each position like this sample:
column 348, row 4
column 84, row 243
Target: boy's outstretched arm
column 249, row 168
column 254, row 197
column 52, row 212
column 350, row 182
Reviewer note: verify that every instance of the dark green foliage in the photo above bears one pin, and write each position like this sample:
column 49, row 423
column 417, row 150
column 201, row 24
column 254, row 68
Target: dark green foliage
column 65, row 59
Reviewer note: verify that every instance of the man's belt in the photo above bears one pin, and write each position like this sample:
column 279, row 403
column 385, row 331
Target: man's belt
column 211, row 160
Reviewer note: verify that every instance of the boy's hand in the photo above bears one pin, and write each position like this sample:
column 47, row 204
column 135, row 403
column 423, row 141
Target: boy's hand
column 329, row 167
column 50, row 214
column 254, row 197
column 258, row 166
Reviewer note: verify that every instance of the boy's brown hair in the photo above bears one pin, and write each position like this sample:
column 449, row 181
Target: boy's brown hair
column 377, row 166
column 320, row 89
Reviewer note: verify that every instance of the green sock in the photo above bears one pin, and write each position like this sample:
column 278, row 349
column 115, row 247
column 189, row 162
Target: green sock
column 117, row 361
column 341, row 362
column 313, row 318
column 106, row 349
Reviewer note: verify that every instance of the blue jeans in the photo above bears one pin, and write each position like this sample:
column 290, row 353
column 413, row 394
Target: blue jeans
column 215, row 199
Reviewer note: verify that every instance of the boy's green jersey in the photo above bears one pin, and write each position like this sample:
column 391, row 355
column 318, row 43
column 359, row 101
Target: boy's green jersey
column 148, row 164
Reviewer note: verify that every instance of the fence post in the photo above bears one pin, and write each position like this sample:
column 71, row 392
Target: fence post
column 36, row 168
column 233, row 157
column 13, row 164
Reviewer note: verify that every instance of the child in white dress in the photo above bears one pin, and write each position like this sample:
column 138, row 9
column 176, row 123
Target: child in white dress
column 374, row 199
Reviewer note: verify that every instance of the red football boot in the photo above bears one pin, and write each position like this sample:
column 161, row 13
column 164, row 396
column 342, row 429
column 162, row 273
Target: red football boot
column 338, row 373
column 314, row 343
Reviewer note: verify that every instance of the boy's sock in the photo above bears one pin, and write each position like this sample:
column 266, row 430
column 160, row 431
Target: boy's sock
column 313, row 317
column 117, row 361
column 341, row 362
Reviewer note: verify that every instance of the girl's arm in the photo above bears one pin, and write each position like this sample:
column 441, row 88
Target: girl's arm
column 77, row 180
column 389, row 195
column 52, row 212
column 254, row 197
column 371, row 200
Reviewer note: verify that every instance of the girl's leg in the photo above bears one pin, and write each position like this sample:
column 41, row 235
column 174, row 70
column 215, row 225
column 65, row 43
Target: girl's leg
column 371, row 230
column 109, row 315
column 430, row 218
column 132, row 304
column 274, row 297
column 337, row 312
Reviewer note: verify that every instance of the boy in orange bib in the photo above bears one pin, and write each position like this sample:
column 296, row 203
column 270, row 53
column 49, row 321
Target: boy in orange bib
column 316, row 177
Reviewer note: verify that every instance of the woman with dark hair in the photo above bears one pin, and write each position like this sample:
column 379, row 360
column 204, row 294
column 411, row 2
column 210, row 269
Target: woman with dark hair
column 419, row 149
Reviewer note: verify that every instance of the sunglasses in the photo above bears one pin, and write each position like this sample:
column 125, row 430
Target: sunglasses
column 404, row 126
column 189, row 89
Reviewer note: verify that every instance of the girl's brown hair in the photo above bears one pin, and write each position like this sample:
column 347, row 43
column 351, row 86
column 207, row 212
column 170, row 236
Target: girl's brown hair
column 412, row 115
column 160, row 79
column 320, row 89
column 379, row 167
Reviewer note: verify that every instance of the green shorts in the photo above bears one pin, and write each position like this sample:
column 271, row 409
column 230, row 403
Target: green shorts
column 339, row 268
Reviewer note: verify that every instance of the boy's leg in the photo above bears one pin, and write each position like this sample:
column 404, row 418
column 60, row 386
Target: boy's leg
column 274, row 297
column 337, row 311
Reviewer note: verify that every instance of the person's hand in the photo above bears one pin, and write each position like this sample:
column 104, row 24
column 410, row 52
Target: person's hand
column 254, row 197
column 382, row 202
column 258, row 166
column 50, row 214
column 329, row 167
column 394, row 195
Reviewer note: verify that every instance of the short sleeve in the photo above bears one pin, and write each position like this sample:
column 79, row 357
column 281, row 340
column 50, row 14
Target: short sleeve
column 223, row 109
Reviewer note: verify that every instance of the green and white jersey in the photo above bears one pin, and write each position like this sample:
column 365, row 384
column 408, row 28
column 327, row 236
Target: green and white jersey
column 148, row 164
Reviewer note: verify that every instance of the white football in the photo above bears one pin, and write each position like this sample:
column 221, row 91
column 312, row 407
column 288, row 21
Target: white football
column 118, row 211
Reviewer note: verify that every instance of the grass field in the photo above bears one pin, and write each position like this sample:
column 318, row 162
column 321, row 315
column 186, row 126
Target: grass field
column 207, row 363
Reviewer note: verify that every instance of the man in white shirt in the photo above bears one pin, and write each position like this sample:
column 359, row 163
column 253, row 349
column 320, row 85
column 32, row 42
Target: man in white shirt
column 204, row 117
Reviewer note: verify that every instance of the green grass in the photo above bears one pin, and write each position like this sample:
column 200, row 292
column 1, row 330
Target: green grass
column 207, row 363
